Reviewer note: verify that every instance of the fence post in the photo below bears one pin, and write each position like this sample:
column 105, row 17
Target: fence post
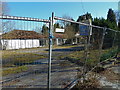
column 114, row 40
column 50, row 50
column 87, row 49
column 101, row 45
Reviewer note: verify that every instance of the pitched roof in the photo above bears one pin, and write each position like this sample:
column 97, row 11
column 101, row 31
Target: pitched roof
column 59, row 35
column 22, row 34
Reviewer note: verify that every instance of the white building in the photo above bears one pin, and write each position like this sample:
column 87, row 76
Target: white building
column 17, row 39
column 59, row 39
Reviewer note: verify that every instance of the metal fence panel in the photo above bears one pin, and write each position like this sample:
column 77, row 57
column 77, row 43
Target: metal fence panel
column 24, row 53
column 33, row 59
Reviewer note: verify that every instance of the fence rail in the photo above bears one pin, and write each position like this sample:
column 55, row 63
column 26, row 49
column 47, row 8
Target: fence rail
column 24, row 18
column 67, row 20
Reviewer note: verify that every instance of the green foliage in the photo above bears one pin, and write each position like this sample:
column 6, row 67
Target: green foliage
column 109, row 54
column 100, row 22
column 111, row 16
column 104, row 23
column 110, row 22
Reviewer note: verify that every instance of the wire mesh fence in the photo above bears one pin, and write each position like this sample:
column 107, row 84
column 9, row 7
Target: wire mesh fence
column 84, row 49
column 78, row 49
column 24, row 55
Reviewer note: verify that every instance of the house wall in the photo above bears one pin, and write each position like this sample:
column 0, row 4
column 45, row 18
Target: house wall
column 60, row 41
column 75, row 40
column 22, row 43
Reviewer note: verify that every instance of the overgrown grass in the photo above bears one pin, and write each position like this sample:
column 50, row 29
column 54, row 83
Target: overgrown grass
column 14, row 70
column 11, row 58
column 79, row 56
column 75, row 55
column 110, row 53
column 14, row 62
column 64, row 46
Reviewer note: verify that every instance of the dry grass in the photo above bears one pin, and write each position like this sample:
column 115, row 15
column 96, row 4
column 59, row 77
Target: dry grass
column 12, row 61
column 110, row 75
column 91, row 83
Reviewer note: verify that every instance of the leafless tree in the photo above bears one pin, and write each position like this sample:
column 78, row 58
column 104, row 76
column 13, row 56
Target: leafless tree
column 4, row 9
column 7, row 25
column 65, row 24
column 38, row 29
column 117, row 13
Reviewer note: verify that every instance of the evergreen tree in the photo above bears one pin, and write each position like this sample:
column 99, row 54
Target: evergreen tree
column 111, row 16
column 112, row 23
column 100, row 22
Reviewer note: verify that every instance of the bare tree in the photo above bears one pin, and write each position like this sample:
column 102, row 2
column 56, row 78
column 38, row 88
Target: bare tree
column 38, row 29
column 117, row 13
column 63, row 23
column 69, row 29
column 7, row 25
column 4, row 9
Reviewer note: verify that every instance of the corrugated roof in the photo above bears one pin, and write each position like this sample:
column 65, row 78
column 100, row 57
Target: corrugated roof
column 22, row 34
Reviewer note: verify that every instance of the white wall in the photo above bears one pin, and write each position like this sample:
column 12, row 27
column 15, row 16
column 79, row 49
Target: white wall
column 17, row 43
column 59, row 41
column 36, row 43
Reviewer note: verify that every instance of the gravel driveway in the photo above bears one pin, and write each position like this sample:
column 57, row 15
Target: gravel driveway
column 63, row 71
